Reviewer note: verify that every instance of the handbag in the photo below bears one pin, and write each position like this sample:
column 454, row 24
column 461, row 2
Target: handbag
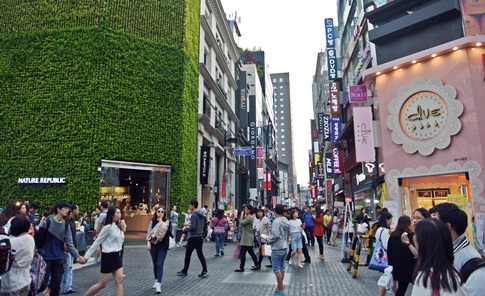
column 266, row 250
column 237, row 252
column 171, row 243
column 379, row 260
column 386, row 280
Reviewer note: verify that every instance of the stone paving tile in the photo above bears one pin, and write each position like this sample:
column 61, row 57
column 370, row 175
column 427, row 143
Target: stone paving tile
column 329, row 277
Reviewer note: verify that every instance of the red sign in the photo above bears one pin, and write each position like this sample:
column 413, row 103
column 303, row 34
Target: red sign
column 267, row 180
column 334, row 98
column 223, row 186
column 337, row 160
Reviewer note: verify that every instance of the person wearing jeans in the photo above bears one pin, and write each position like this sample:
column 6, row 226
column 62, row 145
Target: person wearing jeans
column 279, row 246
column 219, row 225
column 307, row 219
column 195, row 240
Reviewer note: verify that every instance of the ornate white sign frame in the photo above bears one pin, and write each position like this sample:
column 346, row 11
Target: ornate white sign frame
column 472, row 167
column 452, row 126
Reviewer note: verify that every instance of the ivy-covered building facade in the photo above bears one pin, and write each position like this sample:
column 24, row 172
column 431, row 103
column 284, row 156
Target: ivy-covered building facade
column 98, row 100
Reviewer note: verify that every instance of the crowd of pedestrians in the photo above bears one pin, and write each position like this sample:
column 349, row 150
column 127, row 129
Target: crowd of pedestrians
column 429, row 250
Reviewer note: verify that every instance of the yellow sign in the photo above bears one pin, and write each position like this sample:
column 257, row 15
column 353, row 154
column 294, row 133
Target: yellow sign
column 462, row 203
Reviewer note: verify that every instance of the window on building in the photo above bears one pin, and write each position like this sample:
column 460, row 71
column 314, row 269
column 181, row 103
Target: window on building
column 274, row 87
column 281, row 105
column 281, row 94
column 282, row 136
column 282, row 149
column 274, row 80
column 283, row 155
column 281, row 86
column 282, row 118
column 282, row 124
column 282, row 111
column 282, row 143
column 283, row 130
column 281, row 79
column 281, row 100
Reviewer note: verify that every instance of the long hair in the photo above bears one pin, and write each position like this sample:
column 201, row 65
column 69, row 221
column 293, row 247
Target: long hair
column 402, row 226
column 382, row 221
column 164, row 217
column 110, row 214
column 423, row 212
column 11, row 210
column 318, row 211
column 435, row 253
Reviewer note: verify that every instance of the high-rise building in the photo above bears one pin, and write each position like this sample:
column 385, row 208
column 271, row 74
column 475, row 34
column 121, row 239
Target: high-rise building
column 284, row 137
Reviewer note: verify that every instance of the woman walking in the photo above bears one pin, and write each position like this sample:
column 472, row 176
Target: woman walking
column 400, row 256
column 157, row 243
column 335, row 221
column 435, row 273
column 247, row 239
column 318, row 230
column 382, row 233
column 296, row 237
column 111, row 239
column 220, row 225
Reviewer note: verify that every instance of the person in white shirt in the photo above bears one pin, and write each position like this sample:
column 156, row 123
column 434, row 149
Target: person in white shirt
column 296, row 237
column 435, row 273
column 17, row 280
column 383, row 234
column 111, row 238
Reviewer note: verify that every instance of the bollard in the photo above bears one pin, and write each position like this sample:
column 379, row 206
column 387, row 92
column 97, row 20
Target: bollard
column 355, row 254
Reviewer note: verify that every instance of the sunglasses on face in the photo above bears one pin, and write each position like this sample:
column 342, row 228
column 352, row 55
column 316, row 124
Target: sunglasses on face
column 160, row 211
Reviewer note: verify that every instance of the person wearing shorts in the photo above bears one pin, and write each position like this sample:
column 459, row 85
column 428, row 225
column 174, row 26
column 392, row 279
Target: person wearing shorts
column 279, row 246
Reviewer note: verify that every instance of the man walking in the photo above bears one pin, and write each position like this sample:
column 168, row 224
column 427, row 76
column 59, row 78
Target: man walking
column 68, row 261
column 279, row 246
column 466, row 258
column 53, row 234
column 195, row 240
column 308, row 221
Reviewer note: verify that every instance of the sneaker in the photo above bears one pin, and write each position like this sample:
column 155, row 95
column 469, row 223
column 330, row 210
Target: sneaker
column 269, row 265
column 217, row 255
column 155, row 284
column 179, row 245
column 222, row 253
column 279, row 293
column 158, row 288
column 290, row 261
column 181, row 273
column 203, row 275
column 301, row 266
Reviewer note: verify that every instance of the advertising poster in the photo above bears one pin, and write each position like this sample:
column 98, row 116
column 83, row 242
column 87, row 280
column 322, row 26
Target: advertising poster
column 393, row 207
column 473, row 16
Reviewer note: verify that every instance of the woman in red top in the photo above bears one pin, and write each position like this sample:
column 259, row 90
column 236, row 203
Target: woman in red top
column 318, row 230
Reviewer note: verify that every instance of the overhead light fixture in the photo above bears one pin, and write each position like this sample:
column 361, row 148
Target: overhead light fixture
column 455, row 48
column 395, row 67
column 414, row 62
column 479, row 44
column 433, row 55
column 378, row 73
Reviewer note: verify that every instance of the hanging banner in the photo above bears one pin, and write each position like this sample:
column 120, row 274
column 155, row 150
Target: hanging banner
column 364, row 135
column 320, row 123
column 205, row 152
column 227, row 197
column 224, row 185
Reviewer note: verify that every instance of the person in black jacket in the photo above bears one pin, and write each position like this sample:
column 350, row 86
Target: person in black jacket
column 400, row 255
column 66, row 283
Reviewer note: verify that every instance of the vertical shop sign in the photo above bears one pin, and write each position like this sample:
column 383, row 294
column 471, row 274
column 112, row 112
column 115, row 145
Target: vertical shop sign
column 270, row 134
column 328, row 165
column 329, row 32
column 337, row 160
column 224, row 185
column 320, row 123
column 252, row 140
column 321, row 174
column 332, row 63
column 336, row 128
column 358, row 94
column 326, row 128
column 364, row 135
column 205, row 152
column 334, row 98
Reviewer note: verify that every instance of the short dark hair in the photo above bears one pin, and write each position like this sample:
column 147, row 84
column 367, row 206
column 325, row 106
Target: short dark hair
column 384, row 210
column 268, row 206
column 73, row 207
column 194, row 203
column 249, row 207
column 19, row 225
column 452, row 214
column 279, row 209
column 104, row 204
column 61, row 204
column 35, row 206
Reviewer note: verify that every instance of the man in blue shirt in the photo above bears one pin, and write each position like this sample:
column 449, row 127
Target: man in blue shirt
column 307, row 219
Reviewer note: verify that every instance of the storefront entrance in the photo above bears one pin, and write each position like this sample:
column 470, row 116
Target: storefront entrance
column 136, row 188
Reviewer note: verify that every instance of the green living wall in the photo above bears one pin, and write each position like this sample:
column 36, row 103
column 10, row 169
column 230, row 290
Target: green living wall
column 82, row 81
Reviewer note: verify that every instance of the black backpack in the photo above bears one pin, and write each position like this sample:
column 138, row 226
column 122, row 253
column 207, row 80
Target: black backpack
column 470, row 266
column 6, row 255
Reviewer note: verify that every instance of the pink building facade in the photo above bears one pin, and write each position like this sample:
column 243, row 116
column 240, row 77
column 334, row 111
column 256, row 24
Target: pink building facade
column 430, row 110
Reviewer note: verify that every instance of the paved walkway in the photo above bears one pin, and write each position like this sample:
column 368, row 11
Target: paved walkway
column 329, row 277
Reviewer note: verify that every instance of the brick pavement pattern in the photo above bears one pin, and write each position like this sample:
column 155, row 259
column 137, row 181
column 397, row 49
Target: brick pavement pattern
column 329, row 277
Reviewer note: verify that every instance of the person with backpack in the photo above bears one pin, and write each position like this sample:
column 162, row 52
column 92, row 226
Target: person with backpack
column 466, row 259
column 17, row 280
column 53, row 234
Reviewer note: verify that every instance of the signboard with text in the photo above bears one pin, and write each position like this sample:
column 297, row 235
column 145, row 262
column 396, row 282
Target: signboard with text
column 358, row 94
column 334, row 98
column 336, row 128
column 329, row 33
column 332, row 63
column 326, row 128
column 364, row 135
